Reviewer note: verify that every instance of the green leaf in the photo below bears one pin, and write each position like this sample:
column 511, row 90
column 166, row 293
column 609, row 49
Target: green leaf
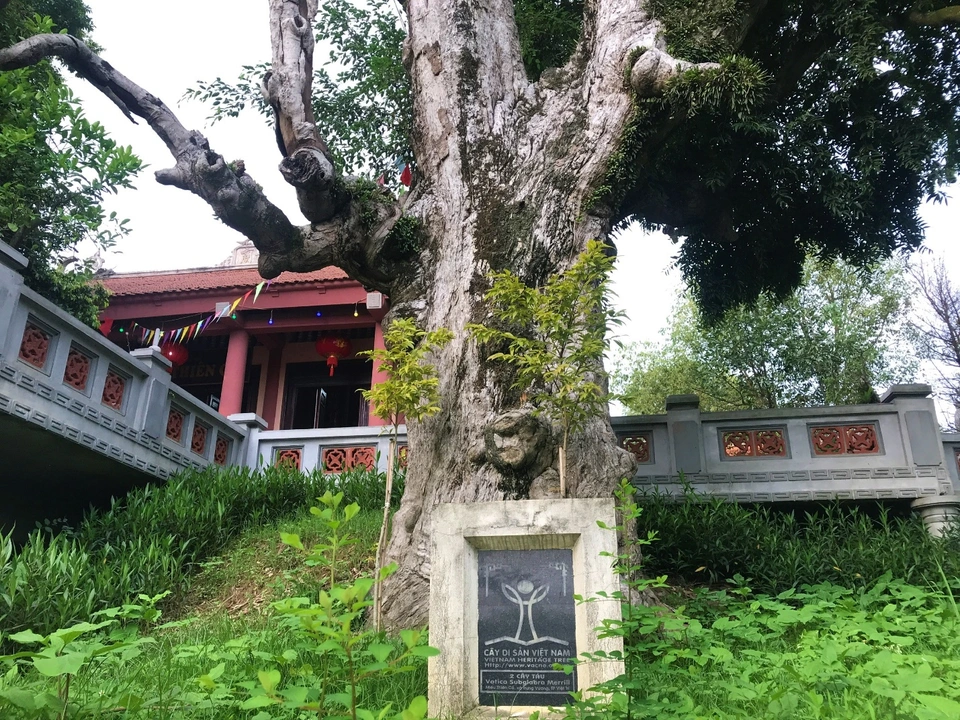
column 66, row 664
column 257, row 701
column 291, row 539
column 416, row 710
column 380, row 651
column 424, row 651
column 949, row 707
column 23, row 699
column 26, row 637
column 269, row 679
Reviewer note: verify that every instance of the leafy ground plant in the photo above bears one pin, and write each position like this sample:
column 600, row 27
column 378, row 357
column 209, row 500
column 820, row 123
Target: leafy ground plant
column 887, row 649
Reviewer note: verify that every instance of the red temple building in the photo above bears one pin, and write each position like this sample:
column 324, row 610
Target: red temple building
column 287, row 353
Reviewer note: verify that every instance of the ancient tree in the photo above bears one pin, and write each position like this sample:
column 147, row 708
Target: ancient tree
column 755, row 131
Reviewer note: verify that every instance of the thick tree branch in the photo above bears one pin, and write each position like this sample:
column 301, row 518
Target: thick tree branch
column 308, row 164
column 654, row 68
column 944, row 16
column 237, row 200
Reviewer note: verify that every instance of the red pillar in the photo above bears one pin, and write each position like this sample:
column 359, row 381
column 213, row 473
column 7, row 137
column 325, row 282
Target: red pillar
column 378, row 375
column 231, row 392
column 274, row 363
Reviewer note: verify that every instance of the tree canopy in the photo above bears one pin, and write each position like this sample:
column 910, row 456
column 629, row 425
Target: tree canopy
column 55, row 166
column 812, row 128
column 839, row 336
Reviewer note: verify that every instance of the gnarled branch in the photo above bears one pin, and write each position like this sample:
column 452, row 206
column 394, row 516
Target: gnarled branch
column 936, row 18
column 353, row 239
column 308, row 164
column 233, row 195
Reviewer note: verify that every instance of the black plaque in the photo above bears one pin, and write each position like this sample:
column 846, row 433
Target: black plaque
column 526, row 624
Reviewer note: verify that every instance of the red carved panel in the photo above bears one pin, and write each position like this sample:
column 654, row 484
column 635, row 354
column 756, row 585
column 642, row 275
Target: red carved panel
column 198, row 443
column 845, row 440
column 827, row 441
column 175, row 425
column 403, row 455
column 754, row 443
column 34, row 346
column 220, row 451
column 637, row 445
column 738, row 443
column 289, row 458
column 364, row 457
column 77, row 371
column 113, row 390
column 770, row 443
column 862, row 439
column 335, row 460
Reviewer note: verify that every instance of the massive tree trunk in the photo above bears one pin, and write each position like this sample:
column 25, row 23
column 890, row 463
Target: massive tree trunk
column 509, row 176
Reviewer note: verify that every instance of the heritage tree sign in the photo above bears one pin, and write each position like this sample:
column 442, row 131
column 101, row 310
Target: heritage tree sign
column 502, row 608
column 526, row 625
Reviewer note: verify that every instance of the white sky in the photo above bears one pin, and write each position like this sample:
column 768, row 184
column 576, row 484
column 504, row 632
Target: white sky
column 166, row 47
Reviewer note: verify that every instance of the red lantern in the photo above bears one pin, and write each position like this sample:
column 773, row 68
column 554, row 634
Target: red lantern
column 175, row 353
column 333, row 349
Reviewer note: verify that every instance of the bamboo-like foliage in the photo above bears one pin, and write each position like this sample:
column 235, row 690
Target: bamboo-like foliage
column 555, row 338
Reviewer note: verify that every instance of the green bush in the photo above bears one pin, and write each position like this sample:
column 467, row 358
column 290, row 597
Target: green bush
column 700, row 540
column 151, row 540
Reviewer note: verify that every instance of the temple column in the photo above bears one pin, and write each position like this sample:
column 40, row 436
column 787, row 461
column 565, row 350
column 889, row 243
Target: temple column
column 275, row 345
column 234, row 371
column 378, row 375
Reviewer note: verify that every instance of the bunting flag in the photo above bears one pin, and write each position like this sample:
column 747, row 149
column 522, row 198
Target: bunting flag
column 150, row 336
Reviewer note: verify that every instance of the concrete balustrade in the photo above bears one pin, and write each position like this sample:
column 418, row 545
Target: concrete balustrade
column 888, row 450
column 112, row 419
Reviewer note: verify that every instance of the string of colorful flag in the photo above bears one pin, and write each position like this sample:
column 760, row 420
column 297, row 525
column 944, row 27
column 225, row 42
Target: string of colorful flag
column 151, row 336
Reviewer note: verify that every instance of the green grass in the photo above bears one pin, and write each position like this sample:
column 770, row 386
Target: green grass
column 859, row 642
column 257, row 569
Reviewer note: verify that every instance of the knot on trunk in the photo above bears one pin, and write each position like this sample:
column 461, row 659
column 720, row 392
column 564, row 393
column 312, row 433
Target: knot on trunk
column 519, row 443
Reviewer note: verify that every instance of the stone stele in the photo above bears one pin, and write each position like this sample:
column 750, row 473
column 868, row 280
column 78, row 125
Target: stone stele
column 461, row 532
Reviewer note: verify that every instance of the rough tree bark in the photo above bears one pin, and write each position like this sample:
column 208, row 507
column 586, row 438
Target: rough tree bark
column 505, row 172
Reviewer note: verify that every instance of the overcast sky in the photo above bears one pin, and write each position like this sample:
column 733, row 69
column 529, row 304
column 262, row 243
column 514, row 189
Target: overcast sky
column 166, row 47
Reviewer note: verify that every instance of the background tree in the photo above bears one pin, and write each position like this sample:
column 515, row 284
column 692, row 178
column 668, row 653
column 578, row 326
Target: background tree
column 756, row 132
column 938, row 324
column 838, row 336
column 55, row 167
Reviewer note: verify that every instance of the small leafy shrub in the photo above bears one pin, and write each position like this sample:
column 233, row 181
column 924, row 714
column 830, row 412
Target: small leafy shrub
column 700, row 540
column 151, row 540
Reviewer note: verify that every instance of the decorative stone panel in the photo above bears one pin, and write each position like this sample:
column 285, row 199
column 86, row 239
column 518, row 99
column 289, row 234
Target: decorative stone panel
column 113, row 390
column 640, row 445
column 339, row 459
column 766, row 442
column 175, row 422
column 291, row 458
column 77, row 372
column 845, row 439
column 198, row 443
column 34, row 346
column 221, row 451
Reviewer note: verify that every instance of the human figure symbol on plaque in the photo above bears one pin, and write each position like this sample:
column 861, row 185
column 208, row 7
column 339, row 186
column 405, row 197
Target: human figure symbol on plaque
column 525, row 596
